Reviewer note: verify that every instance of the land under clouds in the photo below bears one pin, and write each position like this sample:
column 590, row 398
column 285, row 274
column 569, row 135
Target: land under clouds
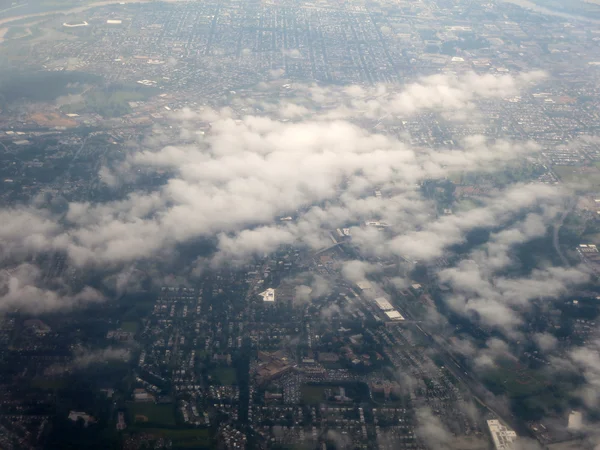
column 232, row 175
column 314, row 161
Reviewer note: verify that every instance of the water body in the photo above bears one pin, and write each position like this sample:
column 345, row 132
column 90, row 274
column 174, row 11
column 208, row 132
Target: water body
column 41, row 86
column 528, row 4
column 20, row 14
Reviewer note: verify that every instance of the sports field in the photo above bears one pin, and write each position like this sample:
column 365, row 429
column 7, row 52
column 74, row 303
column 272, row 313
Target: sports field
column 162, row 415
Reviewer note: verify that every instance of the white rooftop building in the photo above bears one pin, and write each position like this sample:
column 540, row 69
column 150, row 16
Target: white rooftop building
column 502, row 436
column 76, row 415
column 383, row 304
column 394, row 315
column 268, row 295
column 575, row 421
column 363, row 285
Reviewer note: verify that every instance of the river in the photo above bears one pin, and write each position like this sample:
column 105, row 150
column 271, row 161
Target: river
column 528, row 4
column 75, row 10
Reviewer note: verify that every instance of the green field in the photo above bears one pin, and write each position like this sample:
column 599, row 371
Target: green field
column 112, row 101
column 130, row 326
column 48, row 384
column 155, row 414
column 312, row 395
column 333, row 365
column 580, row 175
column 224, row 375
column 185, row 438
column 514, row 380
column 466, row 204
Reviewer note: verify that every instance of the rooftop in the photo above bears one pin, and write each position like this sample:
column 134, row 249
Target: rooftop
column 575, row 421
column 268, row 295
column 394, row 315
column 363, row 285
column 383, row 304
column 502, row 436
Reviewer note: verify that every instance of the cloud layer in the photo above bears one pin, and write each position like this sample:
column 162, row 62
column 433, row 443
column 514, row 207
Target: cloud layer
column 318, row 161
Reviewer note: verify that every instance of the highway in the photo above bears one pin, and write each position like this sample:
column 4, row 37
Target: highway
column 557, row 227
column 469, row 382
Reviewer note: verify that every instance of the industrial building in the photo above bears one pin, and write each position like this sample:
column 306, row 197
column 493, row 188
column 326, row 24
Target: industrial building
column 268, row 295
column 394, row 315
column 502, row 436
column 575, row 421
column 363, row 285
column 383, row 304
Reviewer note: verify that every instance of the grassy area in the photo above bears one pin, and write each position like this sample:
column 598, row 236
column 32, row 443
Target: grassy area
column 17, row 32
column 515, row 380
column 184, row 438
column 130, row 326
column 224, row 375
column 579, row 175
column 112, row 101
column 140, row 307
column 591, row 238
column 48, row 384
column 465, row 205
column 333, row 365
column 153, row 413
column 312, row 395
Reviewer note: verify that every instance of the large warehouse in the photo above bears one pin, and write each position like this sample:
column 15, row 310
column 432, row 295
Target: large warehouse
column 383, row 304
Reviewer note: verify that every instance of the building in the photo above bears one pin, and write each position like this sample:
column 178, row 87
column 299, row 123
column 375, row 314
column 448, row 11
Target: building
column 575, row 421
column 394, row 315
column 272, row 365
column 502, row 436
column 383, row 304
column 121, row 425
column 328, row 357
column 363, row 285
column 76, row 415
column 140, row 395
column 268, row 295
column 377, row 224
column 75, row 25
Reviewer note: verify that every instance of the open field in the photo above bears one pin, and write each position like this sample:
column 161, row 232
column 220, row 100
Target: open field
column 153, row 413
column 113, row 102
column 130, row 326
column 312, row 395
column 589, row 176
column 59, row 7
column 52, row 119
column 225, row 375
column 515, row 380
column 185, row 438
column 48, row 384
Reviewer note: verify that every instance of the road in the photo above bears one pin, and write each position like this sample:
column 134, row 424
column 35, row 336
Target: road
column 557, row 227
column 469, row 382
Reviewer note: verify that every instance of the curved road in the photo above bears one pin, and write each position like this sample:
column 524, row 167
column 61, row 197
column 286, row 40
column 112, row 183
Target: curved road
column 557, row 227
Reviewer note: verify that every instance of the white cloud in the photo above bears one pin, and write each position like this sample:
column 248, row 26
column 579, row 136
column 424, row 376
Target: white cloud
column 22, row 289
column 234, row 181
column 85, row 358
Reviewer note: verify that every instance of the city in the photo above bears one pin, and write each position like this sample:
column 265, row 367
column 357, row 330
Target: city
column 283, row 224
